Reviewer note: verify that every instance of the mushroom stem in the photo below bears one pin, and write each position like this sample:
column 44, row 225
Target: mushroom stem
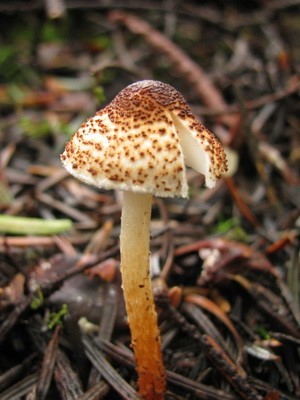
column 136, row 283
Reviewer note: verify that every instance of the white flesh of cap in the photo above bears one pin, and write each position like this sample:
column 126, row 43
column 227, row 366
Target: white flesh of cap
column 194, row 154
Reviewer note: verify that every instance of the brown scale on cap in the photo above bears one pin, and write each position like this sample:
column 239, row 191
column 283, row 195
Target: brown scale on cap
column 138, row 143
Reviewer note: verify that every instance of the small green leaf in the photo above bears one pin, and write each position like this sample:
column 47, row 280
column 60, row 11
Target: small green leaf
column 38, row 300
column 232, row 230
column 226, row 225
column 56, row 318
column 262, row 332
column 34, row 127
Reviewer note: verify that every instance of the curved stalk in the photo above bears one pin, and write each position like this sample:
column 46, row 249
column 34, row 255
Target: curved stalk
column 136, row 283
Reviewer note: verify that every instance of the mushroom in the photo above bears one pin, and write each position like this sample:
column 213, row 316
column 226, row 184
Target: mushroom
column 140, row 143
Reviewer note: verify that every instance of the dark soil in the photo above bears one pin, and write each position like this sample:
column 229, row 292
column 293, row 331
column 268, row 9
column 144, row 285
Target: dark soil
column 226, row 262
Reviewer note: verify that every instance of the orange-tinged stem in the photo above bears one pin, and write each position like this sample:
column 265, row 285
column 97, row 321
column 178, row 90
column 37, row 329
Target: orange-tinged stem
column 136, row 283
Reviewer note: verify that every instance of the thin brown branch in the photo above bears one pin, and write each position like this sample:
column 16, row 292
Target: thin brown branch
column 182, row 63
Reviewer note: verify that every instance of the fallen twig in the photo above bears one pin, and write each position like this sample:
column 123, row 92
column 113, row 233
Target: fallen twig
column 183, row 64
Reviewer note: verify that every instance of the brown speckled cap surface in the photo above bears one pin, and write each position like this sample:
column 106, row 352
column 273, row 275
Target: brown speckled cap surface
column 140, row 141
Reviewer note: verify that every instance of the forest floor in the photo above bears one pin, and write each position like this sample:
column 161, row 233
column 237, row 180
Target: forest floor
column 225, row 263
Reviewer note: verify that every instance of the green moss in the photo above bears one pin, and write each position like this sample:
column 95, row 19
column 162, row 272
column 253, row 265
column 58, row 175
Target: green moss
column 56, row 318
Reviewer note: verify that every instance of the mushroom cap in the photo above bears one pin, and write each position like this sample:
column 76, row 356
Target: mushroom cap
column 141, row 142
